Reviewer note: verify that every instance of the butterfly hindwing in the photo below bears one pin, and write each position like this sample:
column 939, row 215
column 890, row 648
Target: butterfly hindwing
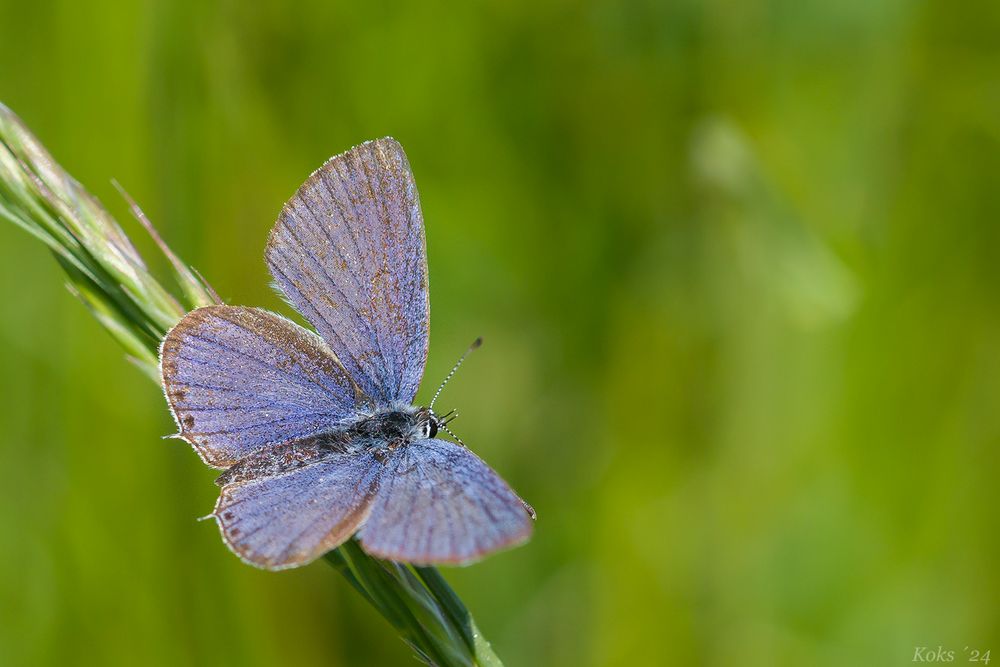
column 289, row 519
column 348, row 251
column 239, row 378
column 438, row 503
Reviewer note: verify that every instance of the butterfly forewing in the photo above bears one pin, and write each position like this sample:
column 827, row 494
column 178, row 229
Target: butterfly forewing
column 289, row 519
column 439, row 503
column 239, row 378
column 348, row 251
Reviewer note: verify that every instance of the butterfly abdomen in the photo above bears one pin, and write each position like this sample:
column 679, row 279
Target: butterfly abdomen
column 284, row 457
column 378, row 433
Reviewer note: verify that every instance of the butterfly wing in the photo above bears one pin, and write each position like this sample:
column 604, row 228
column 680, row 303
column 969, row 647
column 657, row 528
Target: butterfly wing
column 439, row 503
column 348, row 251
column 239, row 378
column 287, row 520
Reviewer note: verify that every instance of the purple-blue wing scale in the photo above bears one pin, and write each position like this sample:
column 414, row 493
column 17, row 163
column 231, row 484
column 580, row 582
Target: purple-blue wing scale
column 348, row 252
column 289, row 519
column 438, row 503
column 238, row 379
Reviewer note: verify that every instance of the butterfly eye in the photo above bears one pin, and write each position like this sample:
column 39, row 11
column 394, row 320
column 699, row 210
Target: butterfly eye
column 431, row 428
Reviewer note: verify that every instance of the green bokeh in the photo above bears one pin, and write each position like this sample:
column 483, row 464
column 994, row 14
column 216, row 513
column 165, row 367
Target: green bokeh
column 736, row 266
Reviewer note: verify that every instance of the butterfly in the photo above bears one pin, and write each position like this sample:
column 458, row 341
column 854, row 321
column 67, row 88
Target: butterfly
column 316, row 432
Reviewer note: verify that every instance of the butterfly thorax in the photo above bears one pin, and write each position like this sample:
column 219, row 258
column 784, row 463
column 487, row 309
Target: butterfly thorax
column 378, row 433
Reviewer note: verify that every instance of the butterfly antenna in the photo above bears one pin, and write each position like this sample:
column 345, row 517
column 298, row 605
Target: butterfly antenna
column 476, row 343
column 447, row 430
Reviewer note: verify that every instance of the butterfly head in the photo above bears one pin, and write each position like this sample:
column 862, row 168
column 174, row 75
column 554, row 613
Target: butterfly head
column 427, row 423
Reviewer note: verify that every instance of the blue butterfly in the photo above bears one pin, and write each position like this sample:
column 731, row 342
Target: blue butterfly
column 317, row 433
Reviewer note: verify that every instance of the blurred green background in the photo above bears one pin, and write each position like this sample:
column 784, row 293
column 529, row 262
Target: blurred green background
column 736, row 266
